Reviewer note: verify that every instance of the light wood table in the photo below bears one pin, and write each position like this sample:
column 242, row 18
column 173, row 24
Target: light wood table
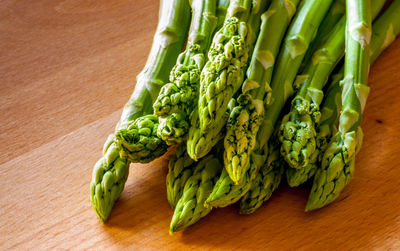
column 68, row 66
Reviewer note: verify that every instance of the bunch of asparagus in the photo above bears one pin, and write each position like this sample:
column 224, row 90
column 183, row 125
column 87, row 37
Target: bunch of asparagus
column 248, row 102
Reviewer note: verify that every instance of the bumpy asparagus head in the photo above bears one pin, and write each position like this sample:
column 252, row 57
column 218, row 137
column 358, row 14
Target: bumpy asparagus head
column 178, row 98
column 109, row 176
column 138, row 142
column 180, row 169
column 180, row 95
column 337, row 167
column 173, row 129
column 223, row 73
column 226, row 192
column 220, row 79
column 266, row 181
column 198, row 143
column 240, row 138
column 190, row 207
column 298, row 131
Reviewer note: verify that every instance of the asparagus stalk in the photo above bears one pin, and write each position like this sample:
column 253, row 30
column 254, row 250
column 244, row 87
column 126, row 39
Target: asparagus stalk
column 266, row 181
column 111, row 171
column 338, row 161
column 298, row 132
column 247, row 115
column 178, row 98
column 335, row 13
column 223, row 73
column 222, row 8
column 190, row 207
column 180, row 169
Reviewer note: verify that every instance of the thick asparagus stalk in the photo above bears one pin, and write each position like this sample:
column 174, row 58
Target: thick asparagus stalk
column 190, row 207
column 180, row 169
column 298, row 132
column 178, row 98
column 338, row 161
column 223, row 73
column 335, row 13
column 266, row 181
column 111, row 171
column 247, row 115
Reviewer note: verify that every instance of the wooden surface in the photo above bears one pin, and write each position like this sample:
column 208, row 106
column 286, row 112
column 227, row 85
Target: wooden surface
column 68, row 66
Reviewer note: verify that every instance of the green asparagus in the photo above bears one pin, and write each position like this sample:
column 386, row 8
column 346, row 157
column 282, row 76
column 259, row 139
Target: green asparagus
column 335, row 13
column 223, row 73
column 338, row 161
column 111, row 171
column 326, row 127
column 266, row 181
column 190, row 207
column 180, row 169
column 247, row 115
column 138, row 142
column 178, row 98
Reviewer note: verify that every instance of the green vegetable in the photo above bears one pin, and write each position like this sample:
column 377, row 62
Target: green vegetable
column 226, row 192
column 335, row 13
column 190, row 207
column 180, row 169
column 111, row 171
column 266, row 181
column 138, row 142
column 338, row 161
column 298, row 132
column 223, row 74
column 247, row 115
column 178, row 98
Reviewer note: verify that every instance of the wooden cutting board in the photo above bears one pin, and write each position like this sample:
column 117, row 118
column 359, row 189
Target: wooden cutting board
column 68, row 66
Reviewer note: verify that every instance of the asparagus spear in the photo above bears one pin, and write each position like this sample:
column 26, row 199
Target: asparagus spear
column 326, row 127
column 335, row 13
column 111, row 171
column 266, row 181
column 178, row 98
column 247, row 115
column 298, row 132
column 338, row 161
column 190, row 207
column 223, row 73
column 180, row 169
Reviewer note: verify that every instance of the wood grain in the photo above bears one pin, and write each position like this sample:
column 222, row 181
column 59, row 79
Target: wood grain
column 67, row 68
